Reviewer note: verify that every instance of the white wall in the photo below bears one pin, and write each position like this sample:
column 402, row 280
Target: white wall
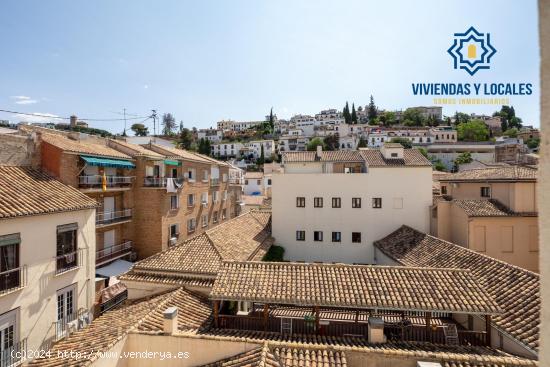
column 36, row 303
column 253, row 186
column 413, row 185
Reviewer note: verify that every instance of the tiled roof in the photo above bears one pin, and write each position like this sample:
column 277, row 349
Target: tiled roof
column 483, row 208
column 448, row 355
column 82, row 146
column 170, row 279
column 246, row 237
column 326, row 156
column 134, row 150
column 509, row 173
column 146, row 316
column 252, row 175
column 411, row 157
column 281, row 356
column 356, row 286
column 27, row 191
column 179, row 153
column 516, row 290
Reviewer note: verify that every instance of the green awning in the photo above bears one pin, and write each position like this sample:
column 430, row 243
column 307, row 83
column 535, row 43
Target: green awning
column 172, row 163
column 107, row 162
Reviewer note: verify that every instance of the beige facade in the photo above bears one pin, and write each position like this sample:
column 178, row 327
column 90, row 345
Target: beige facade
column 33, row 308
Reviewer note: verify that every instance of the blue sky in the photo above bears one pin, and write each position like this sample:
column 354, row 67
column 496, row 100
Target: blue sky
column 205, row 61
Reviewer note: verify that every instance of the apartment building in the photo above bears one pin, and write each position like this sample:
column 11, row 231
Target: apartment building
column 237, row 125
column 213, row 135
column 491, row 211
column 254, row 183
column 329, row 117
column 331, row 206
column 104, row 174
column 227, row 150
column 180, row 196
column 47, row 256
column 422, row 136
column 447, row 153
column 290, row 143
column 255, row 148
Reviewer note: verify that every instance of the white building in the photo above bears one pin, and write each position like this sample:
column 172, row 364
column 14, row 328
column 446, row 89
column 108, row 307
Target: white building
column 214, row 135
column 329, row 117
column 254, row 183
column 331, row 206
column 447, row 153
column 255, row 148
column 225, row 150
column 290, row 143
column 47, row 256
column 231, row 125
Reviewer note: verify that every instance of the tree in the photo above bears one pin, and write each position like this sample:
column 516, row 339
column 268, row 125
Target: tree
column 204, row 146
column 387, row 118
column 461, row 117
column 353, row 114
column 533, row 143
column 181, row 126
column 271, row 121
column 372, row 111
column 261, row 160
column 463, row 158
column 168, row 123
column 362, row 143
column 413, row 117
column 312, row 145
column 423, row 151
column 186, row 138
column 511, row 133
column 508, row 118
column 139, row 129
column 474, row 130
column 406, row 143
column 439, row 166
column 346, row 113
column 331, row 142
column 124, row 133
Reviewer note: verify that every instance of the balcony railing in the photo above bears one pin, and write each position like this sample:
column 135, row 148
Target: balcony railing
column 13, row 355
column 71, row 323
column 113, row 302
column 68, row 261
column 113, row 252
column 159, row 181
column 13, row 279
column 96, row 181
column 214, row 182
column 105, row 218
column 236, row 181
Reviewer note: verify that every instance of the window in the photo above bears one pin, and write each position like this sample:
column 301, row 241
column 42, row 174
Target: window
column 224, row 214
column 356, row 237
column 258, row 182
column 215, row 217
column 318, row 236
column 224, row 177
column 204, row 176
column 224, row 196
column 191, row 174
column 246, row 182
column 174, row 231
column 204, row 220
column 377, row 203
column 190, row 199
column 394, row 155
column 300, row 235
column 9, row 262
column 318, row 202
column 300, row 202
column 269, row 181
column 485, row 192
column 66, row 308
column 443, row 190
column 336, row 236
column 174, row 202
column 204, row 198
column 356, row 202
column 9, row 339
column 215, row 195
column 336, row 202
column 66, row 247
column 191, row 224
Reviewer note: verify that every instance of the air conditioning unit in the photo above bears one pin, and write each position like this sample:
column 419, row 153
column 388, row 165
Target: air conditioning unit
column 172, row 241
column 204, row 203
column 72, row 326
column 84, row 320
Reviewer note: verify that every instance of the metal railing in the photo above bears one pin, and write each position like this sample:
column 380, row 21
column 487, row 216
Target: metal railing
column 13, row 355
column 214, row 182
column 113, row 252
column 113, row 302
column 236, row 181
column 111, row 181
column 113, row 216
column 159, row 181
column 68, row 261
column 13, row 279
column 70, row 323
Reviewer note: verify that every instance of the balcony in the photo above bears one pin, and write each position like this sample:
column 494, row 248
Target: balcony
column 113, row 252
column 71, row 323
column 13, row 279
column 107, row 218
column 96, row 182
column 15, row 354
column 159, row 181
column 69, row 261
column 214, row 182
column 236, row 181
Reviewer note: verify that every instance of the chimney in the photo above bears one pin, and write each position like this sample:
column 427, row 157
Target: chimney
column 376, row 330
column 170, row 320
column 73, row 119
column 319, row 151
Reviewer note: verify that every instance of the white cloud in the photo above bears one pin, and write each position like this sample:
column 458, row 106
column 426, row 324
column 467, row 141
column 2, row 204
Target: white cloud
column 44, row 117
column 23, row 100
column 145, row 86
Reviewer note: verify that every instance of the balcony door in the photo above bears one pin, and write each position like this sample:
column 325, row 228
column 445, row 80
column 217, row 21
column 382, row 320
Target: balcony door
column 108, row 208
column 66, row 309
column 108, row 241
column 8, row 338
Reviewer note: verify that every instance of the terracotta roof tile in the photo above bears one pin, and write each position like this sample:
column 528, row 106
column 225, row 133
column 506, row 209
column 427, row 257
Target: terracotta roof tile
column 358, row 286
column 26, row 191
column 134, row 150
column 326, row 156
column 516, row 290
column 246, row 237
column 508, row 173
column 82, row 146
column 411, row 157
column 483, row 208
column 181, row 154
